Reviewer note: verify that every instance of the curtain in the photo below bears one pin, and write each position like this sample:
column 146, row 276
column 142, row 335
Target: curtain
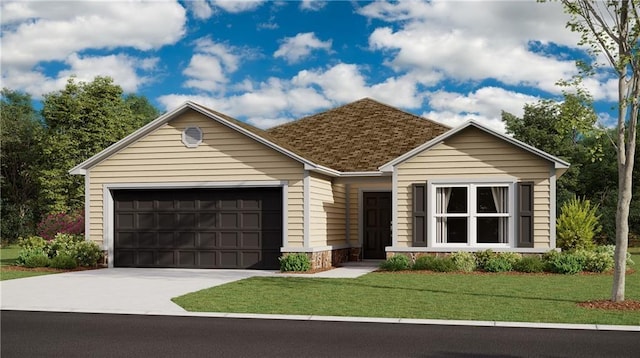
column 443, row 195
column 500, row 199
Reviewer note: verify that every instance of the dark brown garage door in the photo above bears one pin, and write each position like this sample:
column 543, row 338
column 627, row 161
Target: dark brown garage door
column 198, row 228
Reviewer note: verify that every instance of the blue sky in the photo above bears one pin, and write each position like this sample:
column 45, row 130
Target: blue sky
column 268, row 62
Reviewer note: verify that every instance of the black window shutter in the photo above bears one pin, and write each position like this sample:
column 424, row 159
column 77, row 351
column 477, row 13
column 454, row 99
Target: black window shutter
column 419, row 214
column 525, row 214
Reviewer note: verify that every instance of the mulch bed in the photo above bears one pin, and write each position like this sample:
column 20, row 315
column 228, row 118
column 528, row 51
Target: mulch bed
column 627, row 305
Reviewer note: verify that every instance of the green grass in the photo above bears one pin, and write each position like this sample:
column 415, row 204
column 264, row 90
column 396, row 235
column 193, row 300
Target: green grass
column 493, row 297
column 8, row 255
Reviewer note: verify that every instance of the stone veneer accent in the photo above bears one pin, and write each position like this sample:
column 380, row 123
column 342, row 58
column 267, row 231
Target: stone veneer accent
column 328, row 259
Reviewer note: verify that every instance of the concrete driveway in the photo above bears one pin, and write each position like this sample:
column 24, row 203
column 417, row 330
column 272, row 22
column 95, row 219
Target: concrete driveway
column 116, row 290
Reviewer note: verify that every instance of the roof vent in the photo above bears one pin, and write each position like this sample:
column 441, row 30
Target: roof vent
column 192, row 137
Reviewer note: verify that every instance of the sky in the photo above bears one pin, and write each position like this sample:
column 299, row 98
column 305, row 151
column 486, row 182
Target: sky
column 269, row 62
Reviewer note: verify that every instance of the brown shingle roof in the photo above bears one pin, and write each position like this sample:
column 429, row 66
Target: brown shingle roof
column 359, row 136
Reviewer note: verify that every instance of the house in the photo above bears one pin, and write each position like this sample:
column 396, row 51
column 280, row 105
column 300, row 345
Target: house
column 197, row 188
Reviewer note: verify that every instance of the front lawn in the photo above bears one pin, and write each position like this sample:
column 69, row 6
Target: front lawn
column 490, row 297
column 8, row 255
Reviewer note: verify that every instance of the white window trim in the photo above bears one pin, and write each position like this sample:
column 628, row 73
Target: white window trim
column 471, row 186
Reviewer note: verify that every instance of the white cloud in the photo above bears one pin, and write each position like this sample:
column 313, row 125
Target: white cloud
column 294, row 49
column 237, row 6
column 200, row 9
column 312, row 5
column 276, row 100
column 50, row 31
column 473, row 42
column 128, row 72
column 210, row 65
column 204, row 72
column 484, row 105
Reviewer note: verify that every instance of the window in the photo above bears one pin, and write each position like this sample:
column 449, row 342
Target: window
column 472, row 214
column 192, row 137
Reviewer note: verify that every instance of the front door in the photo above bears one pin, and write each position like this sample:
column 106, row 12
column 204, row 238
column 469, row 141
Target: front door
column 377, row 224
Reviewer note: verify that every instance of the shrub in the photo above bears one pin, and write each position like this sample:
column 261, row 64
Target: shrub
column 464, row 261
column 87, row 253
column 512, row 257
column 565, row 263
column 437, row 264
column 396, row 263
column 529, row 264
column 64, row 244
column 483, row 256
column 66, row 223
column 577, row 225
column 498, row 263
column 32, row 242
column 295, row 262
column 64, row 262
column 35, row 258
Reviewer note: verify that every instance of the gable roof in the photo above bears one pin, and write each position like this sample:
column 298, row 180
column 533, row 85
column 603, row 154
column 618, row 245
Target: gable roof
column 244, row 128
column 357, row 137
column 558, row 163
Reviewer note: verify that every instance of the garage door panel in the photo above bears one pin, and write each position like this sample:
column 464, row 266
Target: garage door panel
column 147, row 240
column 229, row 259
column 207, row 240
column 198, row 228
column 166, row 221
column 186, row 240
column 251, row 240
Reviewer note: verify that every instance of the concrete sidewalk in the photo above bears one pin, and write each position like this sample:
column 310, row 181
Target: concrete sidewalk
column 129, row 290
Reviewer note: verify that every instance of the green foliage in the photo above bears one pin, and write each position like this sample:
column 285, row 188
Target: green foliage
column 433, row 263
column 565, row 263
column 83, row 253
column 482, row 257
column 511, row 257
column 64, row 262
column 498, row 263
column 20, row 161
column 396, row 263
column 295, row 262
column 33, row 258
column 577, row 225
column 32, row 242
column 595, row 261
column 530, row 264
column 87, row 253
column 464, row 261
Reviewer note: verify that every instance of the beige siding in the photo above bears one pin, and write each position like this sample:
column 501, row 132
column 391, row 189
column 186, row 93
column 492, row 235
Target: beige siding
column 224, row 156
column 327, row 212
column 474, row 154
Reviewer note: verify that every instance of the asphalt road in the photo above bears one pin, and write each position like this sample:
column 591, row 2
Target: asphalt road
column 51, row 334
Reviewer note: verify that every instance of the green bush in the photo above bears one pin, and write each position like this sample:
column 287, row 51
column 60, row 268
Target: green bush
column 423, row 263
column 529, row 264
column 464, row 261
column 87, row 253
column 32, row 242
column 512, row 257
column 565, row 263
column 577, row 225
column 295, row 262
column 35, row 258
column 64, row 262
column 482, row 257
column 64, row 244
column 27, row 254
column 437, row 264
column 498, row 263
column 396, row 263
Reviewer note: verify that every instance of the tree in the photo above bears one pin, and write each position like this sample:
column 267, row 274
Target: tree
column 81, row 120
column 558, row 128
column 611, row 29
column 21, row 133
